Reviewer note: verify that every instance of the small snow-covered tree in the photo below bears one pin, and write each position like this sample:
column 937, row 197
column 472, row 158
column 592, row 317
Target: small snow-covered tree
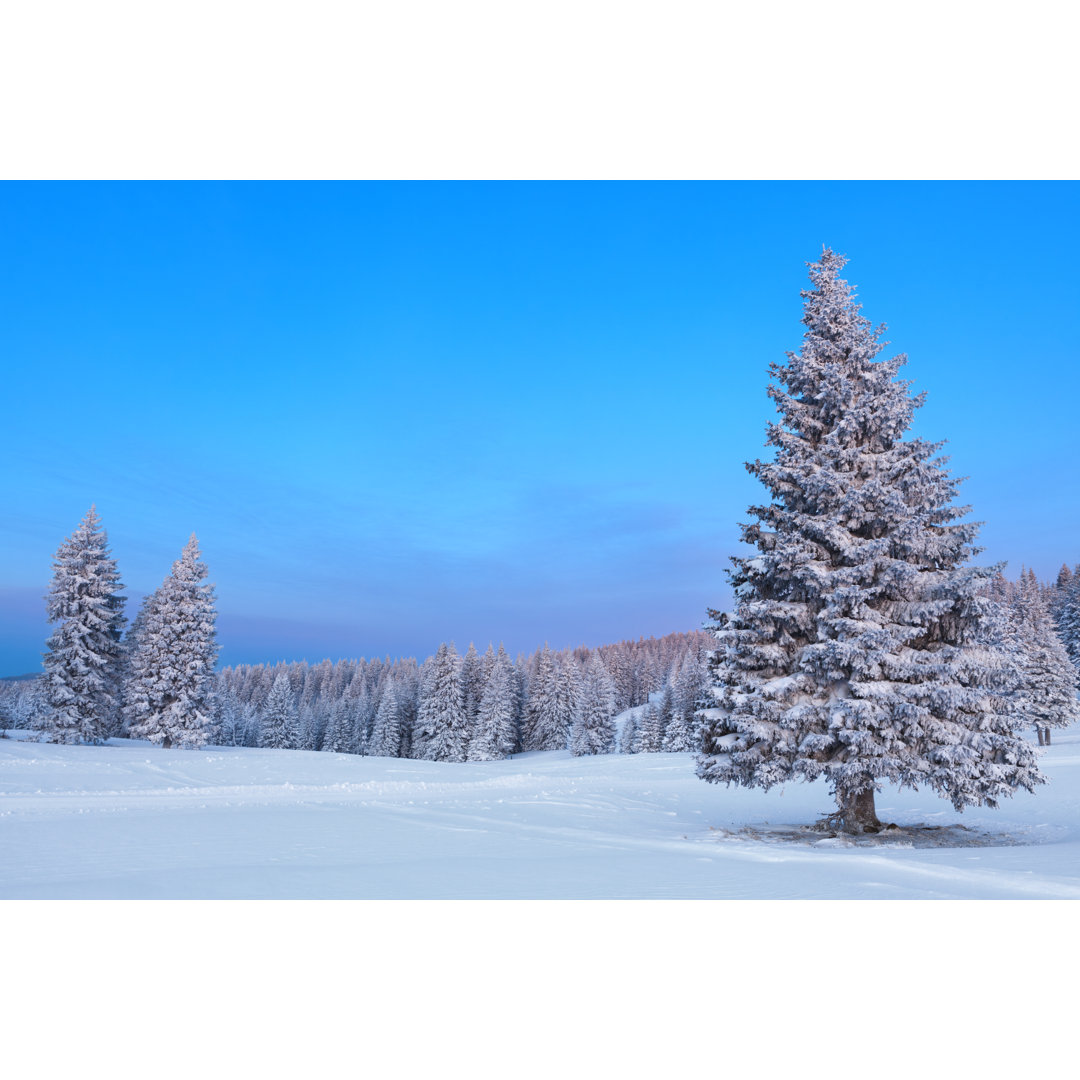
column 854, row 652
column 82, row 665
column 628, row 737
column 651, row 729
column 279, row 722
column 168, row 694
column 594, row 728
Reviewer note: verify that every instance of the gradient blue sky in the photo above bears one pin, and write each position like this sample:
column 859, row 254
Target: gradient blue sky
column 397, row 414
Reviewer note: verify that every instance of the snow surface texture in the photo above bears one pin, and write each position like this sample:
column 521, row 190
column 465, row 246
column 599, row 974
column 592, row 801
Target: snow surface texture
column 131, row 820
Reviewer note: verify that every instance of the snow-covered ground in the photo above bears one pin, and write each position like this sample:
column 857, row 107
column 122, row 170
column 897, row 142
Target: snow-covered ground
column 128, row 820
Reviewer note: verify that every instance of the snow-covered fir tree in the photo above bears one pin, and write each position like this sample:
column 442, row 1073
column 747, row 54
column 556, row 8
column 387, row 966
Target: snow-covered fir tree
column 689, row 686
column 1068, row 620
column 362, row 707
column 338, row 737
column 679, row 734
column 23, row 703
column 651, row 729
column 628, row 737
column 308, row 726
column 235, row 719
column 386, row 733
column 1057, row 593
column 1045, row 679
column 549, row 710
column 472, row 683
column 442, row 726
column 594, row 727
column 496, row 733
column 169, row 688
column 853, row 653
column 279, row 726
column 82, row 665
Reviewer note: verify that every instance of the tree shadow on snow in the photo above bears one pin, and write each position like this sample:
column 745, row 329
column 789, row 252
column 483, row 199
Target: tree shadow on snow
column 821, row 834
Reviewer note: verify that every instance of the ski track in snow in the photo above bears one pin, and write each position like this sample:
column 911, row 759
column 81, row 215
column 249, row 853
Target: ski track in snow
column 129, row 820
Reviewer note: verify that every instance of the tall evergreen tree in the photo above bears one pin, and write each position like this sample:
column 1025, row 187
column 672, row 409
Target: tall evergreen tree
column 168, row 697
column 853, row 652
column 82, row 665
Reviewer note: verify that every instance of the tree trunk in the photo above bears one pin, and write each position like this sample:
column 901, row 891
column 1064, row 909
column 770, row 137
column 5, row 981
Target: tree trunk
column 1046, row 735
column 1039, row 731
column 857, row 813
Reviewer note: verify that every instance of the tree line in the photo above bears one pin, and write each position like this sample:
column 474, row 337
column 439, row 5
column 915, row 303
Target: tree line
column 155, row 679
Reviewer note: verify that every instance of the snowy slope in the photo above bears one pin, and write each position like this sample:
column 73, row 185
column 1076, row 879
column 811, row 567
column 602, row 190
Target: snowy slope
column 128, row 820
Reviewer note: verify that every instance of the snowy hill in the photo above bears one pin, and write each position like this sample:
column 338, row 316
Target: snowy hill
column 131, row 820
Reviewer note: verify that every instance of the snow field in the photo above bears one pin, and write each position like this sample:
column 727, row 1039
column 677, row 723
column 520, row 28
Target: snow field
column 130, row 820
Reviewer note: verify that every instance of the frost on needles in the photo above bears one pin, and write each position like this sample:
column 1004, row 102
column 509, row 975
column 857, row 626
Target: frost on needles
column 169, row 685
column 857, row 649
column 83, row 662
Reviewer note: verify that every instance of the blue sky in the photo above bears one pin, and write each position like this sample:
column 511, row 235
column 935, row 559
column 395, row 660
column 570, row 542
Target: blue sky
column 397, row 414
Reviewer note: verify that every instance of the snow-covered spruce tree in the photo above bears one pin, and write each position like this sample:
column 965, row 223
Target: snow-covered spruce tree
column 854, row 651
column 1045, row 679
column 307, row 727
column 386, row 732
column 472, row 682
column 1059, row 591
column 651, row 729
column 234, row 717
column 443, row 726
column 628, row 737
column 689, row 683
column 551, row 705
column 170, row 677
column 338, row 738
column 495, row 735
column 594, row 727
column 25, row 704
column 279, row 725
column 82, row 665
column 1068, row 620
